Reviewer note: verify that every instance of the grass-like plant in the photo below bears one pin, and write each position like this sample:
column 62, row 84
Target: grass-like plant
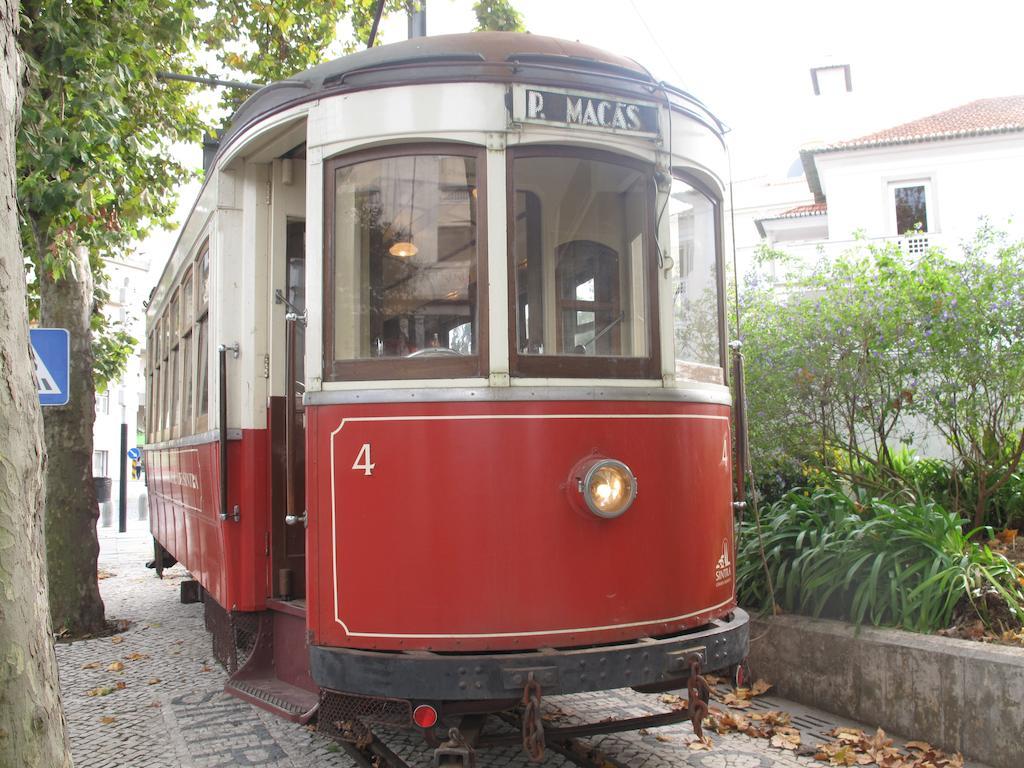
column 906, row 565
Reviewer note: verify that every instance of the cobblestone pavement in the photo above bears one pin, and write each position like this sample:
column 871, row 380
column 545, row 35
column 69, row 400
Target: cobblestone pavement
column 153, row 696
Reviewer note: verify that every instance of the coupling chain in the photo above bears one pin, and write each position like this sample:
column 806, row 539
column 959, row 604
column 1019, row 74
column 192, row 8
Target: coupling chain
column 533, row 721
column 698, row 696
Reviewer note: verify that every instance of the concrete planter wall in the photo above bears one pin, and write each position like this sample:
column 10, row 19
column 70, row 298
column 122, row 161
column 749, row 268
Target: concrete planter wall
column 959, row 695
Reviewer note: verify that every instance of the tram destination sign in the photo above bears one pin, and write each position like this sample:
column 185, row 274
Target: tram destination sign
column 585, row 111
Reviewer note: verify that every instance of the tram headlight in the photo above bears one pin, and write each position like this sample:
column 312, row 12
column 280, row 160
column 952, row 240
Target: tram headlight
column 607, row 487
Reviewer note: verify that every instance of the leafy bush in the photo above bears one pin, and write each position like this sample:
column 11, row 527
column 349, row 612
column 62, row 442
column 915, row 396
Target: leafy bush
column 851, row 359
column 906, row 565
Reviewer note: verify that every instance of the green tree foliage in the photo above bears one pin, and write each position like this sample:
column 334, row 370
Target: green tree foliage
column 93, row 175
column 93, row 167
column 970, row 327
column 830, row 369
column 497, row 16
column 847, row 361
column 263, row 41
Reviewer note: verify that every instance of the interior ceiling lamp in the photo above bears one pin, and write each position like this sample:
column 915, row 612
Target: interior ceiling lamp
column 405, row 249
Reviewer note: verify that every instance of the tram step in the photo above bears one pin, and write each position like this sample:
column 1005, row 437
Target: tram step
column 283, row 699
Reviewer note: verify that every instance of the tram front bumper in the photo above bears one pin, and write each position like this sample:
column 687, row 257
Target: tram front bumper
column 645, row 663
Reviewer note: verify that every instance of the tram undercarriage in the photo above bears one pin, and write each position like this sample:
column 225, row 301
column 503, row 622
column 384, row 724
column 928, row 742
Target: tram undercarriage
column 496, row 699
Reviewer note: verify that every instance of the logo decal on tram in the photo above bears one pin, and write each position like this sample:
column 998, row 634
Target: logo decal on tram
column 590, row 111
column 723, row 568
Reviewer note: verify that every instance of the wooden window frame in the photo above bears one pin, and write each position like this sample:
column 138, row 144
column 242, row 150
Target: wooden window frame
column 681, row 174
column 201, row 421
column 403, row 368
column 583, row 366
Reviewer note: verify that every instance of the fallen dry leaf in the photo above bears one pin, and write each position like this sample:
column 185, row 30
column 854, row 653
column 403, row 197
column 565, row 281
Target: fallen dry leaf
column 736, row 702
column 663, row 737
column 701, row 745
column 923, row 746
column 101, row 574
column 153, row 681
column 103, row 690
column 713, row 679
column 785, row 737
column 849, row 735
column 1007, row 536
column 106, row 720
column 773, row 717
column 91, row 665
column 205, row 668
column 136, row 656
column 116, row 666
column 117, row 639
column 837, row 754
column 760, row 687
column 669, row 698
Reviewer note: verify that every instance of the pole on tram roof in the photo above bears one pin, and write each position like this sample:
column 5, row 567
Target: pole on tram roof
column 214, row 81
column 376, row 22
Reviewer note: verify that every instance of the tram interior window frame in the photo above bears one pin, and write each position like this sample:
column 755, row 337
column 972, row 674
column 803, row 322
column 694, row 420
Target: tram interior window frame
column 177, row 364
column 187, row 293
column 687, row 368
column 201, row 337
column 577, row 365
column 426, row 366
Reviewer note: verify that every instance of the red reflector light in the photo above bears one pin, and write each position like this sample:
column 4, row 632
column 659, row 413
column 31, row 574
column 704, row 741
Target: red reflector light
column 425, row 716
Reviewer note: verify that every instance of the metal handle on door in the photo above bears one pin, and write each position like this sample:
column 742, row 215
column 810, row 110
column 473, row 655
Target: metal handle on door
column 294, row 519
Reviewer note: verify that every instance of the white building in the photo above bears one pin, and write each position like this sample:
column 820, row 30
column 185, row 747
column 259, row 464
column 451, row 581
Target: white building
column 932, row 179
column 122, row 402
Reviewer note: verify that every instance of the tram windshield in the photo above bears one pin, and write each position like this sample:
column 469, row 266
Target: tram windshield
column 405, row 261
column 695, row 296
column 580, row 247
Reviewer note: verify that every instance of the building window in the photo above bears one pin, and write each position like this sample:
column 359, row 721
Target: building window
column 99, row 464
column 910, row 207
column 103, row 404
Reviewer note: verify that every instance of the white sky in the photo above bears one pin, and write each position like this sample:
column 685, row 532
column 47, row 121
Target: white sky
column 750, row 62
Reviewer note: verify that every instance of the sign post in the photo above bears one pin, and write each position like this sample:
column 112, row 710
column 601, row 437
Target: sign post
column 51, row 351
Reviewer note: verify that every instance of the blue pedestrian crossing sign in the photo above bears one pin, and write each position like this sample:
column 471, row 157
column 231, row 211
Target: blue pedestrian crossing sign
column 51, row 350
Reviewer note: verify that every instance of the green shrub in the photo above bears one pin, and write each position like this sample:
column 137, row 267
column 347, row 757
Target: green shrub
column 906, row 565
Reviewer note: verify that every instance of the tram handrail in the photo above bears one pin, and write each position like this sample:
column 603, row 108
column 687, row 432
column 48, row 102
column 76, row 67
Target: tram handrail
column 222, row 431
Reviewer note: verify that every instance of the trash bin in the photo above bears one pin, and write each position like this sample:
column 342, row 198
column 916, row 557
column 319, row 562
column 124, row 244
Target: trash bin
column 104, row 486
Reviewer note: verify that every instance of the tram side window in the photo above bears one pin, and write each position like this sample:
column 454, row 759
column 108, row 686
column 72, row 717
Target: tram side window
column 172, row 401
column 202, row 291
column 187, row 313
column 152, row 409
column 405, row 262
column 692, row 222
column 582, row 264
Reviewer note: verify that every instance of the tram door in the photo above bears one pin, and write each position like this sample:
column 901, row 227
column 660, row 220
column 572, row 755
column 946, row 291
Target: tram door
column 289, row 529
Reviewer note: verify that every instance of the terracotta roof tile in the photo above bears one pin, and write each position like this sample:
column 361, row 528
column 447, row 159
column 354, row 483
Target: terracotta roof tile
column 1003, row 114
column 813, row 209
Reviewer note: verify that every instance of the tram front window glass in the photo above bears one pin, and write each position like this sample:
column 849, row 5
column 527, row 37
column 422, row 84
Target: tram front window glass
column 405, row 266
column 695, row 298
column 580, row 248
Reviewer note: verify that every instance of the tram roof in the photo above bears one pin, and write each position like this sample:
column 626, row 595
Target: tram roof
column 502, row 57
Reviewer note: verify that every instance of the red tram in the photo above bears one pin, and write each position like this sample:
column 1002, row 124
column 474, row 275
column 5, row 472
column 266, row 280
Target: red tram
column 437, row 407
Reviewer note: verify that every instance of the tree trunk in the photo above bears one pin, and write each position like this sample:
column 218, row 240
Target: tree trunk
column 71, row 509
column 32, row 728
